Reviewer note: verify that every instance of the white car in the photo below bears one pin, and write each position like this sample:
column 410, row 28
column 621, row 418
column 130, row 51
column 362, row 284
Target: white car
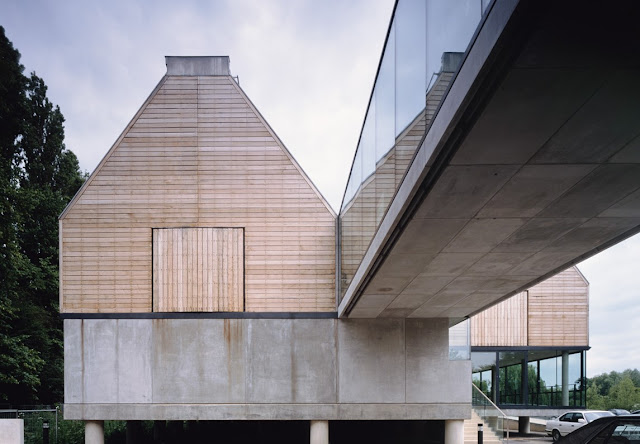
column 570, row 421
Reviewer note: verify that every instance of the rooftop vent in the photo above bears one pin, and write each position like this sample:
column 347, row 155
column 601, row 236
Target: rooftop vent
column 198, row 66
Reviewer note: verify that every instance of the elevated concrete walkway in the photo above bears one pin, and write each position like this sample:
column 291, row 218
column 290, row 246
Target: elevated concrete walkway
column 530, row 166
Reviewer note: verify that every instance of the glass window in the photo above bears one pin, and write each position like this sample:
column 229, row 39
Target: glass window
column 386, row 101
column 399, row 112
column 459, row 342
column 483, row 366
column 385, row 159
column 544, row 378
column 576, row 380
column 411, row 63
column 450, row 26
column 626, row 433
column 510, row 377
column 548, row 382
column 566, row 417
column 367, row 144
column 592, row 416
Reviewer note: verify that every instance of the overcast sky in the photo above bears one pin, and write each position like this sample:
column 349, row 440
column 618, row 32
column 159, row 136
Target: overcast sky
column 307, row 65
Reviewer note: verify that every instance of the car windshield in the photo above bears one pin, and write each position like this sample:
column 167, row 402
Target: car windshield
column 595, row 415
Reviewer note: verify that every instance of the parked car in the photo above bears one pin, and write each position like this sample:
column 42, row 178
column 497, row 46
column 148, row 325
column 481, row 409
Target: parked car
column 619, row 412
column 570, row 421
column 607, row 430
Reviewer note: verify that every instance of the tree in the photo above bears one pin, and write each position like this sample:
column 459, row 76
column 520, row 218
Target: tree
column 38, row 177
column 614, row 390
column 594, row 399
column 624, row 395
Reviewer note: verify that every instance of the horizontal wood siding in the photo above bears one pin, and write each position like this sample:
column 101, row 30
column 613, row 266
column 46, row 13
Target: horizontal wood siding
column 553, row 313
column 503, row 325
column 198, row 269
column 198, row 155
column 559, row 311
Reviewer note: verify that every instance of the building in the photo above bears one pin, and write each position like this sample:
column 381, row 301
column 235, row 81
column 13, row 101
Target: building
column 198, row 281
column 203, row 277
column 529, row 352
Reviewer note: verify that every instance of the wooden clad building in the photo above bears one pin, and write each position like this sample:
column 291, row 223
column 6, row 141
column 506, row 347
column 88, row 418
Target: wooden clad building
column 198, row 273
column 528, row 352
column 198, row 206
column 554, row 313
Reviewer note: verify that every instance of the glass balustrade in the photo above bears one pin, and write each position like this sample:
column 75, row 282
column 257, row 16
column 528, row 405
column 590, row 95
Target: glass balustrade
column 424, row 48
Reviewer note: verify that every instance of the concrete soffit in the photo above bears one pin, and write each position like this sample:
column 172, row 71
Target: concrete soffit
column 442, row 131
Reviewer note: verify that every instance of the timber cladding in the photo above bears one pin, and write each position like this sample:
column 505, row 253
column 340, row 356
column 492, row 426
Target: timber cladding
column 554, row 312
column 198, row 269
column 198, row 155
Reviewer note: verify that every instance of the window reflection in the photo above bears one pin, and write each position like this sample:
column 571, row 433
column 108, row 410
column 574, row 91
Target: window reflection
column 460, row 342
column 531, row 377
column 411, row 63
column 484, row 366
column 511, row 370
column 425, row 47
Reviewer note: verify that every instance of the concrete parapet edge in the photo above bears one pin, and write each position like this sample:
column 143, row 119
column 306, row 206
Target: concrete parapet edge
column 267, row 412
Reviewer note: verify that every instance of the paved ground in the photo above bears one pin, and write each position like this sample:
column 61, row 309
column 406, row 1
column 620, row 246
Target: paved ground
column 530, row 440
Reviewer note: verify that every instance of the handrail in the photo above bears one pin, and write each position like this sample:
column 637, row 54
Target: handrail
column 487, row 400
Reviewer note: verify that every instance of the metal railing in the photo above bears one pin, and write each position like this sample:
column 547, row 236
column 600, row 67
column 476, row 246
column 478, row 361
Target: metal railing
column 491, row 415
column 36, row 421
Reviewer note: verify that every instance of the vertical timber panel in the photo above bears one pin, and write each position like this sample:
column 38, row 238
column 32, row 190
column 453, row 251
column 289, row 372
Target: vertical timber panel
column 205, row 281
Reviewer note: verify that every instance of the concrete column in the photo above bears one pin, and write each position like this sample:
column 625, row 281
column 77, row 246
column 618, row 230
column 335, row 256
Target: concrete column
column 565, row 378
column 524, row 424
column 94, row 432
column 454, row 431
column 319, row 433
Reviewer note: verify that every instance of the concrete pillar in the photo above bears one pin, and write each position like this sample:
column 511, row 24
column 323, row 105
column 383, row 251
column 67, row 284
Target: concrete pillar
column 454, row 431
column 319, row 432
column 12, row 430
column 94, row 432
column 524, row 425
column 565, row 378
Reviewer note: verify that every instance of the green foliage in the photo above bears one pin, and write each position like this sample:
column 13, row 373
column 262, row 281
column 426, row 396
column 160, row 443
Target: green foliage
column 614, row 390
column 20, row 365
column 38, row 177
column 70, row 432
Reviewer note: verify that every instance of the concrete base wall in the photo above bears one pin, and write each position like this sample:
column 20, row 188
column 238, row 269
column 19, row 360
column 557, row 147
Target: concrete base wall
column 11, row 431
column 276, row 369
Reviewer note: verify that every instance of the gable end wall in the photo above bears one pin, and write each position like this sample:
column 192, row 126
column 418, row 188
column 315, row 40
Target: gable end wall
column 198, row 155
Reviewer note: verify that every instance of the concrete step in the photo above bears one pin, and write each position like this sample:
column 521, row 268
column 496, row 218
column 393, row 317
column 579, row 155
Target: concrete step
column 471, row 431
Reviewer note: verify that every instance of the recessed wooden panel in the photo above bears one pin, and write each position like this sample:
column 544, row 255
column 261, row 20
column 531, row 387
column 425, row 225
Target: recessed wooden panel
column 198, row 269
